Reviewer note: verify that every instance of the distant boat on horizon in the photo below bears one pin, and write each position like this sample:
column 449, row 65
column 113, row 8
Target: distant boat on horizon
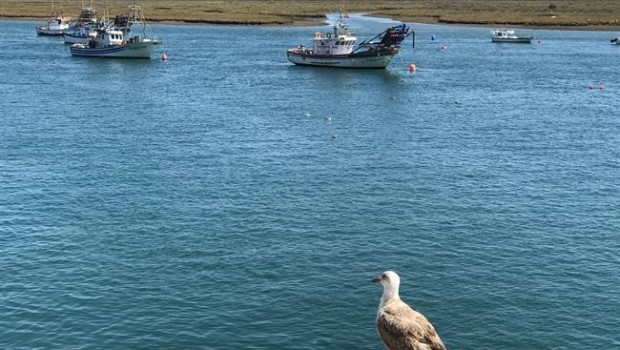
column 509, row 36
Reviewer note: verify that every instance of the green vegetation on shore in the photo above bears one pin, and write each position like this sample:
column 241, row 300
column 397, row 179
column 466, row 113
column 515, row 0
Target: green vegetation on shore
column 593, row 14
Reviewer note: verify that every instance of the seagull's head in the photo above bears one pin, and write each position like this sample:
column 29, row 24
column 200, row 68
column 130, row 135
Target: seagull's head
column 387, row 279
column 390, row 282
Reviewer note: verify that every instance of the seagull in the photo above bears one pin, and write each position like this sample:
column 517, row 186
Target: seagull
column 399, row 326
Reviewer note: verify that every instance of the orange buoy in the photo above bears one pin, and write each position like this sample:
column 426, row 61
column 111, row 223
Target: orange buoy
column 164, row 57
column 412, row 68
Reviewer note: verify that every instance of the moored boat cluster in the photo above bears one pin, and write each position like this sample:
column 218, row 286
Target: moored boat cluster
column 126, row 36
column 90, row 36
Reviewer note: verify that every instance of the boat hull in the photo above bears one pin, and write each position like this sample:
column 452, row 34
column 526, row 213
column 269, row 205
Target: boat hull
column 519, row 40
column 45, row 31
column 366, row 60
column 75, row 39
column 135, row 50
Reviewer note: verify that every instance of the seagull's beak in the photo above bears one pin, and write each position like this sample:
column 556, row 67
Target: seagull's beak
column 376, row 280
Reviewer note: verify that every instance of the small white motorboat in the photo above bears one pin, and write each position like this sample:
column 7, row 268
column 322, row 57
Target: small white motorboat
column 509, row 36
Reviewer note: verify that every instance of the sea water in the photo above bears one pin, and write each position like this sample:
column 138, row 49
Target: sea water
column 227, row 199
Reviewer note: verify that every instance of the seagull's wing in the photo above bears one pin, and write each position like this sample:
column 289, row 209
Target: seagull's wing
column 402, row 328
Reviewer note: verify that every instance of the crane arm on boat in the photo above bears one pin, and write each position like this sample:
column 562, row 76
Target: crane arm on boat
column 391, row 37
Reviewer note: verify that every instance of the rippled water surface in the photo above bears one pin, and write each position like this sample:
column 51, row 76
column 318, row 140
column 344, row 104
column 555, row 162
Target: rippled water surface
column 208, row 202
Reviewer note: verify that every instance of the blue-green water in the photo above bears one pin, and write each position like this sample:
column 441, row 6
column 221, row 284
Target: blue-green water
column 207, row 202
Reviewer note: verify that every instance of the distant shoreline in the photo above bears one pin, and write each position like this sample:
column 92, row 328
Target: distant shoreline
column 604, row 15
column 323, row 21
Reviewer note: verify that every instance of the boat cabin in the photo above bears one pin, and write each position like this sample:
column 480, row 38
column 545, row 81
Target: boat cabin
column 503, row 33
column 105, row 38
column 340, row 42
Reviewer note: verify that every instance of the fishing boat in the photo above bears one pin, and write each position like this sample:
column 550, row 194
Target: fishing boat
column 114, row 41
column 616, row 41
column 80, row 34
column 338, row 48
column 509, row 36
column 82, row 29
column 54, row 27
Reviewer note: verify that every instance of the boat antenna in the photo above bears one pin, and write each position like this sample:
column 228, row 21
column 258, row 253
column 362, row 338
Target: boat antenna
column 343, row 10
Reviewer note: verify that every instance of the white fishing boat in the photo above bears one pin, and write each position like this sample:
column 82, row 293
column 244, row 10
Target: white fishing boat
column 82, row 29
column 113, row 41
column 509, row 36
column 55, row 25
column 338, row 48
column 80, row 34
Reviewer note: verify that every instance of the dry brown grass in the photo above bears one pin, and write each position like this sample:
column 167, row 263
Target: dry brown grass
column 561, row 13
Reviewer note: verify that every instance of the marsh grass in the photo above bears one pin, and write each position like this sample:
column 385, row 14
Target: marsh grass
column 542, row 13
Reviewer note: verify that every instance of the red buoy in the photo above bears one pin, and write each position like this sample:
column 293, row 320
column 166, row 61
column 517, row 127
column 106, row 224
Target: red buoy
column 164, row 57
column 412, row 68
